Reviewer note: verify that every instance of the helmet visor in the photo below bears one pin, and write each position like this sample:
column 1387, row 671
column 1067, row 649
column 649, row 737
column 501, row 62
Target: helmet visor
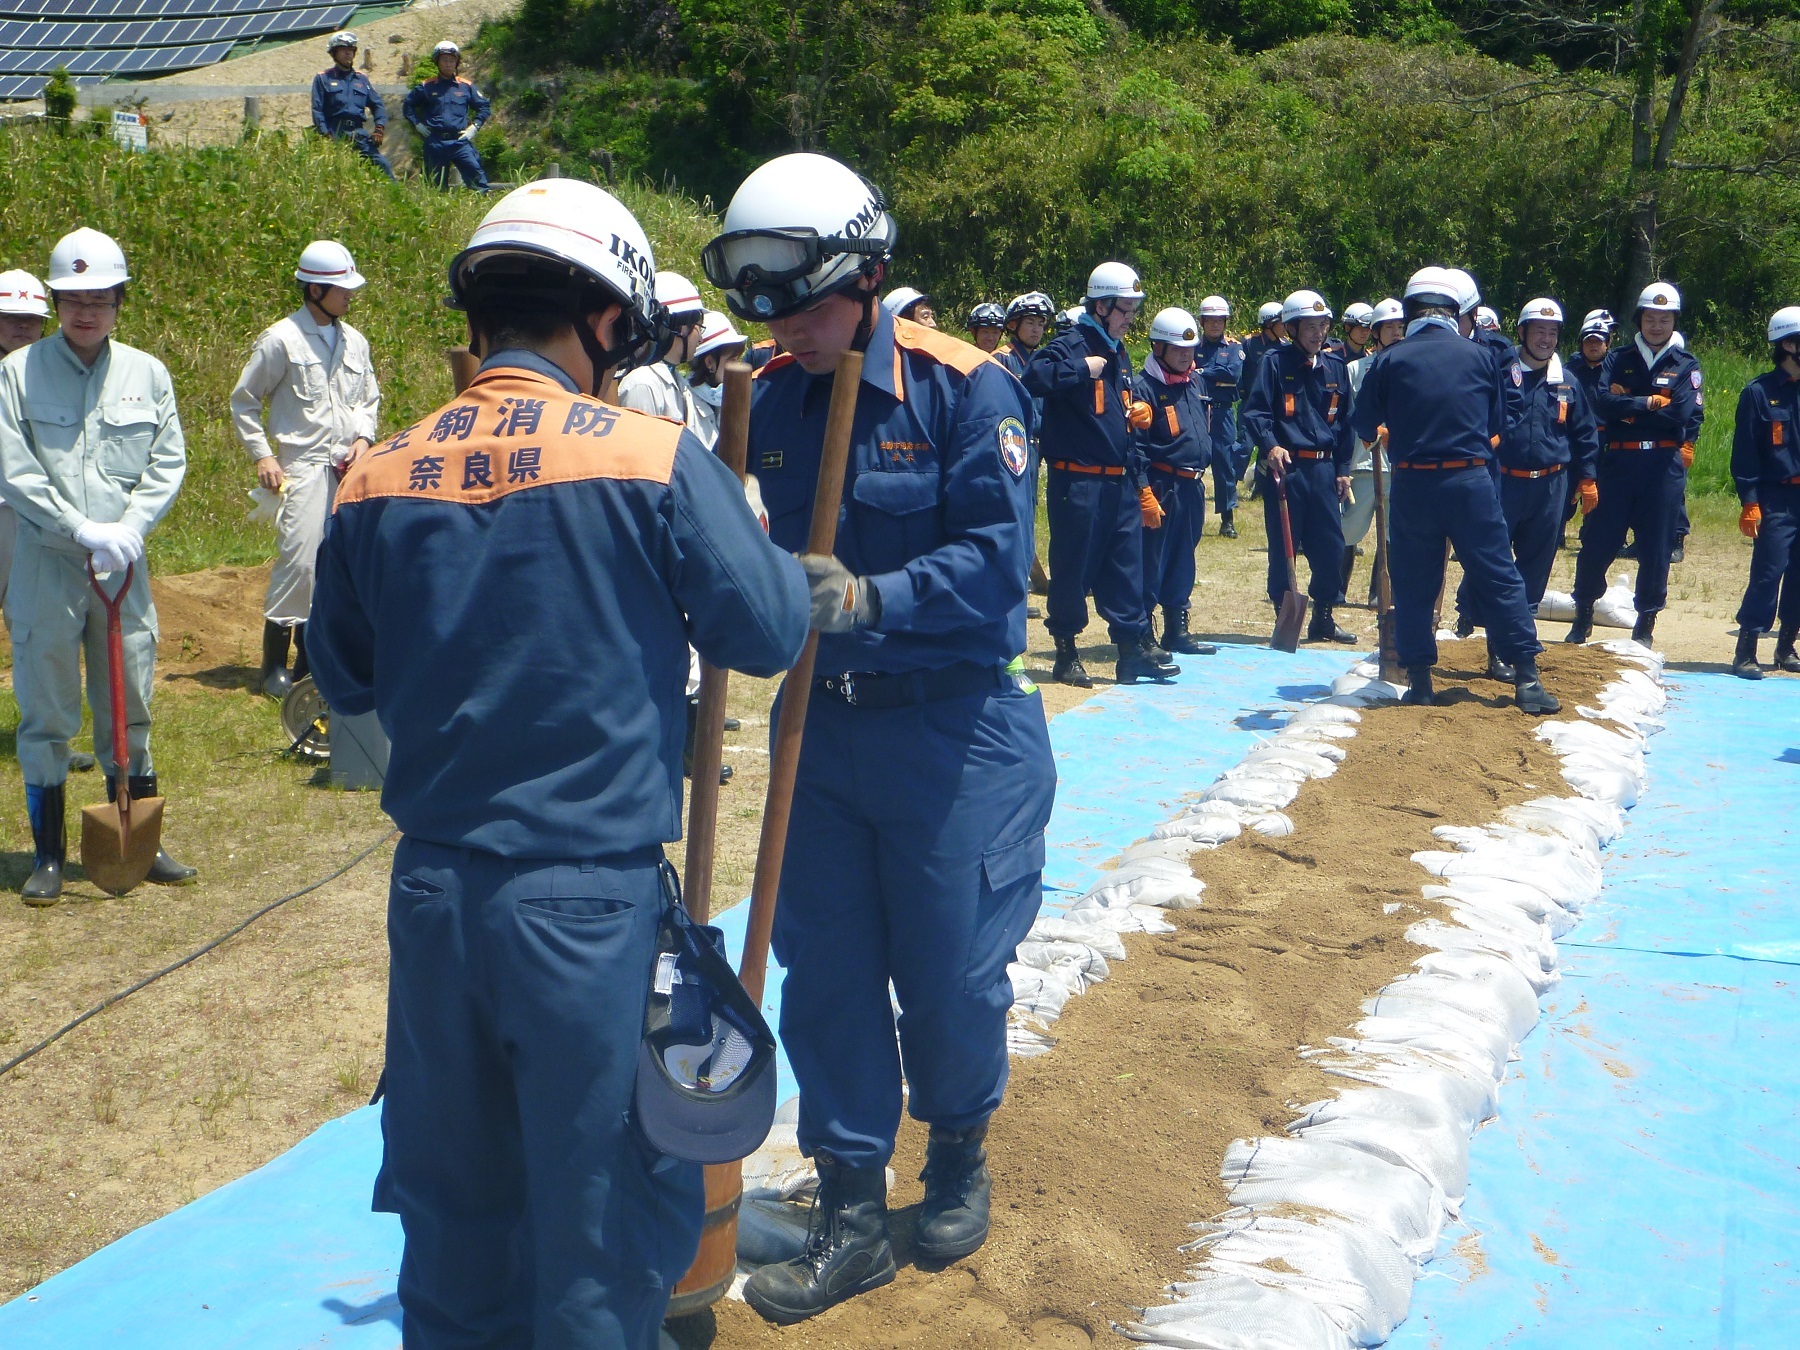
column 772, row 269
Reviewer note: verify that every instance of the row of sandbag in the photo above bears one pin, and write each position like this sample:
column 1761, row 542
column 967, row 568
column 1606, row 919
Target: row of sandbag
column 1332, row 1221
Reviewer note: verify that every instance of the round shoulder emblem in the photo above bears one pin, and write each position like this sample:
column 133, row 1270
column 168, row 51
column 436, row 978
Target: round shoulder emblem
column 1015, row 446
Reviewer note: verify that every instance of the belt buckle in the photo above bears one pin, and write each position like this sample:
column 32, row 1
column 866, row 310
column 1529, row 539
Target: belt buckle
column 849, row 688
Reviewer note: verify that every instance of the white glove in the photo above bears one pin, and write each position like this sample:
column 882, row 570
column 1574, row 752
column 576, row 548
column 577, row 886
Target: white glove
column 468, row 132
column 112, row 547
column 753, row 495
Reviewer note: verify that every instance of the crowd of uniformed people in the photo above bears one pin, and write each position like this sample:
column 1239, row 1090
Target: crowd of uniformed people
column 520, row 585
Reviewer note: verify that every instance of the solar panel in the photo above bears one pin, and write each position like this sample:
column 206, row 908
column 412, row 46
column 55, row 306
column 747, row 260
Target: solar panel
column 37, row 34
column 112, row 60
column 141, row 9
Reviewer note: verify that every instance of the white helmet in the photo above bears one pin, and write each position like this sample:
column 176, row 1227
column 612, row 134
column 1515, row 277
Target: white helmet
column 1783, row 323
column 1467, row 293
column 1433, row 285
column 1360, row 314
column 1304, row 305
column 1486, row 318
column 22, row 293
column 1543, row 310
column 550, row 238
column 325, row 262
column 1386, row 311
column 1598, row 323
column 1114, row 281
column 1268, row 313
column 798, row 229
column 446, row 48
column 1175, row 327
column 342, row 38
column 899, row 298
column 716, row 332
column 1215, row 307
column 86, row 260
column 677, row 295
column 1657, row 295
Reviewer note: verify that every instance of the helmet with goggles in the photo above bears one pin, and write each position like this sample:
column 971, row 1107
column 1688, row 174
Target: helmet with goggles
column 987, row 315
column 1031, row 305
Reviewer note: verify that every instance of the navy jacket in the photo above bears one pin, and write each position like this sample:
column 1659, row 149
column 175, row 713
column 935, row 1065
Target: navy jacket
column 1588, row 377
column 511, row 585
column 339, row 102
column 1548, row 421
column 1084, row 417
column 937, row 506
column 1017, row 360
column 1221, row 365
column 1177, row 436
column 1499, row 344
column 1439, row 396
column 1301, row 406
column 1765, row 446
column 1628, row 418
column 440, row 109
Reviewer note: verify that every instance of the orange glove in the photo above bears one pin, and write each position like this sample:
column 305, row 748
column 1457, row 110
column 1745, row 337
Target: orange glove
column 1750, row 520
column 1139, row 415
column 1587, row 495
column 1147, row 503
column 1657, row 402
column 1687, row 454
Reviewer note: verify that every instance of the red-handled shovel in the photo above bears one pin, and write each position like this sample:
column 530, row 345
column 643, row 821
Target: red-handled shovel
column 119, row 839
column 1290, row 618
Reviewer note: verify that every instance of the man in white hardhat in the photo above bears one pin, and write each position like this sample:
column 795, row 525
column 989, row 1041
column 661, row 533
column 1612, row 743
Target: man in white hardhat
column 447, row 112
column 1386, row 322
column 315, row 373
column 1220, row 361
column 1765, row 468
column 1176, row 448
column 907, row 302
column 92, row 455
column 510, row 585
column 344, row 100
column 660, row 388
column 1652, row 402
column 1098, row 502
column 1272, row 332
column 717, row 343
column 1359, row 319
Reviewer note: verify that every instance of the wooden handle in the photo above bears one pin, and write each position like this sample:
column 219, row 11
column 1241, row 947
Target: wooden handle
column 784, row 761
column 709, row 728
column 463, row 367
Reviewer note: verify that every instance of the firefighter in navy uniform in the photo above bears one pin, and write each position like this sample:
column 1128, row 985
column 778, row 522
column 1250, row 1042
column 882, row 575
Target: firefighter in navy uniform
column 1765, row 466
column 1220, row 360
column 1028, row 319
column 1439, row 398
column 535, row 777
column 1098, row 500
column 447, row 112
column 343, row 98
column 987, row 324
column 1176, row 447
column 1298, row 413
column 1651, row 401
column 1586, row 367
column 916, row 848
column 1548, row 452
column 1476, row 321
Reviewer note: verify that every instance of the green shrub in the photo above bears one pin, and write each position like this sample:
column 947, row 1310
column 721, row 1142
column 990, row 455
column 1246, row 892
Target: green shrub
column 59, row 97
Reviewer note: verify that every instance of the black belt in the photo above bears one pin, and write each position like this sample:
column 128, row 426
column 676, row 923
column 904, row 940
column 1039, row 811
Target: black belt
column 866, row 689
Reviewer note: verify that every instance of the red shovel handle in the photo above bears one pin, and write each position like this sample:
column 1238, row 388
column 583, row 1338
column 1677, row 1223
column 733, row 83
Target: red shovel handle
column 115, row 673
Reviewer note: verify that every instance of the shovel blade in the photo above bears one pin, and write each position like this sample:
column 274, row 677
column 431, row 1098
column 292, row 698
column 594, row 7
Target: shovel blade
column 1289, row 621
column 112, row 863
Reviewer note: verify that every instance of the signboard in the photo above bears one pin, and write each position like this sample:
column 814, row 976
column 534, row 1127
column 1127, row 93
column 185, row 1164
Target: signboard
column 131, row 130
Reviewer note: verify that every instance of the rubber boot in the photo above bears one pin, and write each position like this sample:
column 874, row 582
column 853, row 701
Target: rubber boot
column 1343, row 595
column 1227, row 525
column 1644, row 630
column 1499, row 670
column 1743, row 660
column 1784, row 649
column 687, row 748
column 1583, row 627
column 302, row 667
column 1144, row 660
column 1529, row 691
column 848, row 1248
column 1176, row 637
column 1324, row 628
column 275, row 678
column 164, row 871
column 953, row 1221
column 1068, row 668
column 1419, row 692
column 44, row 807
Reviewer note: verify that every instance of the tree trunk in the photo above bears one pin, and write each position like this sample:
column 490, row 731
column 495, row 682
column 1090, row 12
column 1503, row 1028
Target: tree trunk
column 1641, row 255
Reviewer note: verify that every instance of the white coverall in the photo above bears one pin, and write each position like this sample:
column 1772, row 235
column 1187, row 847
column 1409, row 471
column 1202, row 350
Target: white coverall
column 321, row 397
column 661, row 390
column 81, row 444
column 1359, row 511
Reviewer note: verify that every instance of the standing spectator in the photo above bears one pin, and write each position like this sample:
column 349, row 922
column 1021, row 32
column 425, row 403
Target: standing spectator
column 718, row 343
column 343, row 97
column 447, row 112
column 660, row 388
column 1765, row 466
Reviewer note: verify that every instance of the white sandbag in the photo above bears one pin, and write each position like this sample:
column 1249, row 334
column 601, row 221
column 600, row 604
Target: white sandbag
column 1403, row 1204
column 1575, row 828
column 1261, row 794
column 1486, row 988
column 1037, row 993
column 1618, row 607
column 1358, row 690
column 1205, row 829
column 1400, row 1127
column 1305, row 740
column 1505, row 988
column 1484, row 916
column 1561, row 879
column 1183, row 850
column 1234, row 1312
column 1563, row 736
column 1313, row 714
column 1536, row 964
column 1468, row 1042
column 1557, row 607
column 1273, row 824
column 1603, row 784
column 1167, row 883
column 1119, row 918
column 1273, row 770
column 1076, row 964
column 1491, row 893
column 1606, row 817
column 1469, row 1097
column 1317, row 731
column 1636, row 653
column 1304, row 757
column 1055, row 928
column 1027, row 1040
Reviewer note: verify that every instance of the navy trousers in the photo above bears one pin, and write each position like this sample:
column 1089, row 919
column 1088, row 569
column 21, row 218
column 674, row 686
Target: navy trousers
column 440, row 156
column 914, row 857
column 1226, row 470
column 1463, row 507
column 1318, row 528
column 366, row 147
column 1774, row 562
column 1169, row 549
column 536, row 1216
column 1533, row 508
column 1636, row 494
column 1097, row 546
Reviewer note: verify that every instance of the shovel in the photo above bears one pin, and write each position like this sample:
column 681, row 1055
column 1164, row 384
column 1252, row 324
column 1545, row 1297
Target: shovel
column 119, row 839
column 1291, row 617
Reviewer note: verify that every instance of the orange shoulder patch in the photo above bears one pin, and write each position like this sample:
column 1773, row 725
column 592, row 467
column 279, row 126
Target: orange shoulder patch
column 513, row 430
column 775, row 362
column 962, row 357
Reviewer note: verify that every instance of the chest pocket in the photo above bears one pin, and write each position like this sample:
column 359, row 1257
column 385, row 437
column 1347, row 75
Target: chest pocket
column 895, row 517
column 54, row 426
column 1780, row 430
column 306, row 375
column 356, row 376
column 126, row 434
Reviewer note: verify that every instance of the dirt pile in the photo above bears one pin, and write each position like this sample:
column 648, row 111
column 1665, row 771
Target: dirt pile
column 1109, row 1147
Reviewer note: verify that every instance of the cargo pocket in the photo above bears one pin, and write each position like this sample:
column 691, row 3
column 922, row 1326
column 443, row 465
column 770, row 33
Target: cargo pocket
column 54, row 426
column 1011, row 891
column 126, row 435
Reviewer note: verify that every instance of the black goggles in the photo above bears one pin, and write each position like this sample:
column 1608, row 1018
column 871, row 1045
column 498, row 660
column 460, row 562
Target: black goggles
column 764, row 265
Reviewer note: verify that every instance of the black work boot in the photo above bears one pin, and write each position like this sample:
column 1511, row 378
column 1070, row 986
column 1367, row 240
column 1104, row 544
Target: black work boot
column 1679, row 552
column 275, row 678
column 1068, row 668
column 1227, row 526
column 1499, row 670
column 49, row 843
column 953, row 1221
column 302, row 667
column 1583, row 627
column 1465, row 626
column 1176, row 637
column 1418, row 687
column 687, row 747
column 164, row 871
column 1142, row 659
column 1324, row 628
column 1743, row 661
column 848, row 1250
column 1784, row 649
column 1529, row 691
column 1644, row 630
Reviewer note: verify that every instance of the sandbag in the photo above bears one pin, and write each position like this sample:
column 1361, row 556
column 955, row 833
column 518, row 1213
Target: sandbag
column 1233, row 1312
